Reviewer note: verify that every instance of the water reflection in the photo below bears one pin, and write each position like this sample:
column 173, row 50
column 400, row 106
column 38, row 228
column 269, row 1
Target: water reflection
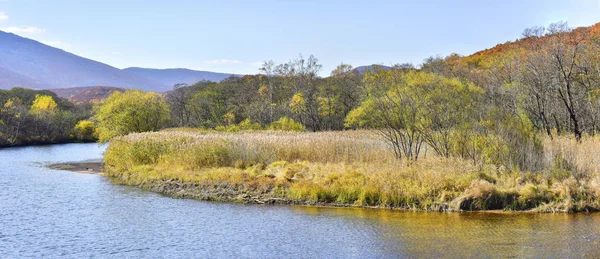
column 476, row 234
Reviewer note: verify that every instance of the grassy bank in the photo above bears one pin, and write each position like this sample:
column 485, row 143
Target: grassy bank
column 352, row 168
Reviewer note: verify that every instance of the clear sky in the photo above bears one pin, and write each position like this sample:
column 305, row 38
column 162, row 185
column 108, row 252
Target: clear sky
column 236, row 36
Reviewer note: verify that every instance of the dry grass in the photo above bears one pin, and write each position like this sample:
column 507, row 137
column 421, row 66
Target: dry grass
column 583, row 158
column 351, row 168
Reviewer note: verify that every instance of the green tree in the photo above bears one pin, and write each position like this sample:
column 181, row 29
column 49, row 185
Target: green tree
column 132, row 111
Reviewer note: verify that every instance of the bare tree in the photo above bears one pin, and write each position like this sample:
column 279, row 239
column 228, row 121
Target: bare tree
column 564, row 49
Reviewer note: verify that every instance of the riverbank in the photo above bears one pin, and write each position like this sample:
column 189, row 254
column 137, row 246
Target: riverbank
column 350, row 169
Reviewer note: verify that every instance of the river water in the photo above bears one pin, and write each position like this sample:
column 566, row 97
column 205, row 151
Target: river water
column 50, row 213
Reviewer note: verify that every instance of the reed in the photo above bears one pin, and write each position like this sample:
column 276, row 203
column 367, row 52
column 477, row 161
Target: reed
column 350, row 168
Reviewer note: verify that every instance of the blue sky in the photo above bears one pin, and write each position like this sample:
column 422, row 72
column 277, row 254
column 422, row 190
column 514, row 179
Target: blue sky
column 236, row 36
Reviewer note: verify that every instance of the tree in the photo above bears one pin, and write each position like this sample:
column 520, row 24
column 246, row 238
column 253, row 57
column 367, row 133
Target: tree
column 132, row 111
column 85, row 130
column 338, row 95
column 12, row 115
column 208, row 107
column 564, row 48
column 43, row 104
column 30, row 116
column 536, row 78
column 267, row 68
column 44, row 108
column 412, row 108
column 302, row 77
column 179, row 100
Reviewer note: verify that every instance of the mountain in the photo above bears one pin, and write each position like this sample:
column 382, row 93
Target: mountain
column 87, row 93
column 29, row 63
column 363, row 69
column 50, row 67
column 174, row 76
column 10, row 79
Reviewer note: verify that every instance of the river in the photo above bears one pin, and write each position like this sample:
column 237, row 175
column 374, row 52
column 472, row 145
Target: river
column 50, row 213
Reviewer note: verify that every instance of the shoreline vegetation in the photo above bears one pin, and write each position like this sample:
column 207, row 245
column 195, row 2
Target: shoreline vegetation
column 513, row 128
column 347, row 169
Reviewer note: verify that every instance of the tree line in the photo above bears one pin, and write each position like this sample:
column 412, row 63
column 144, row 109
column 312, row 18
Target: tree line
column 40, row 117
column 290, row 90
column 490, row 107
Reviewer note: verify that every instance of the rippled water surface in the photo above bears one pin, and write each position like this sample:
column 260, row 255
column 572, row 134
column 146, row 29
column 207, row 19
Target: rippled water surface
column 49, row 213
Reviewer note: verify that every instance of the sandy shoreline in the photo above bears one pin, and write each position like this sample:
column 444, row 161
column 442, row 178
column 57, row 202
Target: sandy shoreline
column 86, row 167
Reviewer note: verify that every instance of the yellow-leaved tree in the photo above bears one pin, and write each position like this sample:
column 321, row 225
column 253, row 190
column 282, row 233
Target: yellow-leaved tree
column 43, row 105
column 132, row 111
column 85, row 130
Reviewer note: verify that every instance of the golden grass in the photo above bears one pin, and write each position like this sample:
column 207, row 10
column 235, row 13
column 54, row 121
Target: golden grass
column 584, row 157
column 350, row 168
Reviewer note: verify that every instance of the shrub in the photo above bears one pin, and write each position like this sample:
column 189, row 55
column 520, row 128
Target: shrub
column 285, row 123
column 132, row 111
column 85, row 130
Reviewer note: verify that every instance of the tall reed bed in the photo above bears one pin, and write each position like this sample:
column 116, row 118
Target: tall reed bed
column 350, row 168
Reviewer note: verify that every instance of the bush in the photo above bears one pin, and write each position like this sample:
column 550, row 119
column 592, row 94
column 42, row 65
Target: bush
column 85, row 130
column 129, row 112
column 243, row 125
column 285, row 123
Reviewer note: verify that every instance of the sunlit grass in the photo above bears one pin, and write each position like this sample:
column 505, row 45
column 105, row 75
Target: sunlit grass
column 351, row 168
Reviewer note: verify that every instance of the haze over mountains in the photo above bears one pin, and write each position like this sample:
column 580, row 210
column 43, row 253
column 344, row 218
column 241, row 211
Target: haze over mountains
column 29, row 63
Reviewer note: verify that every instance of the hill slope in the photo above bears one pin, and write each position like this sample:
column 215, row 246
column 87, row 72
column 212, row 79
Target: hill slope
column 55, row 68
column 10, row 79
column 29, row 63
column 586, row 33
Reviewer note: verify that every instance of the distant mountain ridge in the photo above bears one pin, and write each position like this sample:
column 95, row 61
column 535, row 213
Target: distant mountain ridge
column 29, row 63
column 51, row 67
column 9, row 78
column 172, row 76
column 372, row 68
